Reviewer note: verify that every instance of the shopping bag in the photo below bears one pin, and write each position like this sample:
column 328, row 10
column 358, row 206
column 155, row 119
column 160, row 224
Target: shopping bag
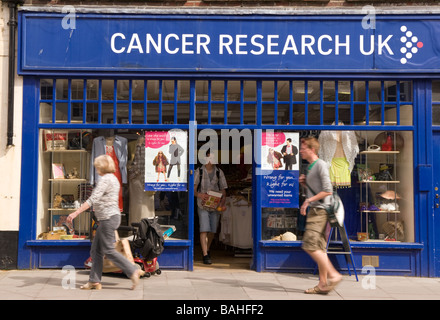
column 123, row 247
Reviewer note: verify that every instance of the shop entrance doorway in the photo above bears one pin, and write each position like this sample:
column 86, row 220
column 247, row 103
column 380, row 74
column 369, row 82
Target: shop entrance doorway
column 232, row 152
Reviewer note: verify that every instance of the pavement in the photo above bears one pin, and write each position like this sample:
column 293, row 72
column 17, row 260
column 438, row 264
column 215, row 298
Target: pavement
column 206, row 283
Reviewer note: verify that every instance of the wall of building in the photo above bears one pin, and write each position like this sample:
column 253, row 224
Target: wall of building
column 10, row 157
column 243, row 3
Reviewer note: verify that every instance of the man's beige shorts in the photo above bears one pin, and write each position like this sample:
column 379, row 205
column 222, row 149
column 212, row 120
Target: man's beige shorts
column 314, row 236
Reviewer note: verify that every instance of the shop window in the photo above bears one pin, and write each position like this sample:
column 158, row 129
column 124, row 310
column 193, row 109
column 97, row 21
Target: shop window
column 64, row 183
column 436, row 103
column 378, row 193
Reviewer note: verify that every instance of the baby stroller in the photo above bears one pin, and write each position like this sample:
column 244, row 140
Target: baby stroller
column 146, row 244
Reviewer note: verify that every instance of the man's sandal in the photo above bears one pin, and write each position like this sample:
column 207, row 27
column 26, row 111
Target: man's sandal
column 316, row 290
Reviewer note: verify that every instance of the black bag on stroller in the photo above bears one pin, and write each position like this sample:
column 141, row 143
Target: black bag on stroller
column 149, row 239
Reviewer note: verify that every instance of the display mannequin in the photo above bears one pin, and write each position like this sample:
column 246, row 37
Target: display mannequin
column 339, row 149
column 141, row 202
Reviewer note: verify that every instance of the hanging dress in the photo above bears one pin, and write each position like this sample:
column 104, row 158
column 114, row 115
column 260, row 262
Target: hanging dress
column 110, row 151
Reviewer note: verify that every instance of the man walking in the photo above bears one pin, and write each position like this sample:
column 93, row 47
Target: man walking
column 314, row 240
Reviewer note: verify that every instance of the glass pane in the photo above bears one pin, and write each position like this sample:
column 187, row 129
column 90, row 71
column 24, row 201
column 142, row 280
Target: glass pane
column 92, row 113
column 153, row 113
column 108, row 90
column 168, row 90
column 46, row 89
column 217, row 107
column 436, row 91
column 122, row 113
column 436, row 106
column 93, row 89
column 153, row 90
column 64, row 159
column 283, row 114
column 277, row 221
column 386, row 183
column 45, row 112
column 70, row 151
column 202, row 90
column 77, row 112
column 250, row 113
column 436, row 115
column 268, row 113
column 344, row 91
column 138, row 90
column 137, row 113
column 375, row 92
column 201, row 113
column 183, row 113
column 250, row 90
column 268, row 88
column 61, row 112
column 123, row 89
column 298, row 114
column 359, row 91
column 298, row 90
column 77, row 89
column 329, row 114
column 107, row 113
column 167, row 113
column 234, row 113
column 234, row 90
column 329, row 90
column 62, row 89
column 313, row 91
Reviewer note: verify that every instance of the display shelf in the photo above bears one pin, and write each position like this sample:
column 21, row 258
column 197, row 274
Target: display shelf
column 380, row 165
column 379, row 181
column 65, row 180
column 67, row 169
column 380, row 152
column 380, row 211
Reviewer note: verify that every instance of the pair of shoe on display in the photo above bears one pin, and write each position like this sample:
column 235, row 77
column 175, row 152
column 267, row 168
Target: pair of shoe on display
column 371, row 207
column 382, row 207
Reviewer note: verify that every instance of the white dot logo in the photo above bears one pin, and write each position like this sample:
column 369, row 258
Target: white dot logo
column 410, row 44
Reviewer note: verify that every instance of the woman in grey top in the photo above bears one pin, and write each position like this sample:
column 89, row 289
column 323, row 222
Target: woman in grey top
column 105, row 201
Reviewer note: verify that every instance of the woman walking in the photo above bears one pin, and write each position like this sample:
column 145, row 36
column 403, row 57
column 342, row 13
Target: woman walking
column 105, row 201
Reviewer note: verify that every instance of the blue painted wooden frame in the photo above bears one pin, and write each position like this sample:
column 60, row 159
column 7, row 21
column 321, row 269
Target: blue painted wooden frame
column 422, row 137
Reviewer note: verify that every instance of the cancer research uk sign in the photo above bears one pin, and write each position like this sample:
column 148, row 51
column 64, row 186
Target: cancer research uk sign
column 280, row 169
column 221, row 43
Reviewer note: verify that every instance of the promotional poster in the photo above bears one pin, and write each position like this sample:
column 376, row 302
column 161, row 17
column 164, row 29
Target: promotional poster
column 280, row 168
column 166, row 160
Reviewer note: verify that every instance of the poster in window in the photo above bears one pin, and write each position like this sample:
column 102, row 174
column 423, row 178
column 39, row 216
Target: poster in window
column 166, row 160
column 280, row 169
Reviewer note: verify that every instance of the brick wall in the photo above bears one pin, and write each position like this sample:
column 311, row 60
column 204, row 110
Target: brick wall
column 243, row 3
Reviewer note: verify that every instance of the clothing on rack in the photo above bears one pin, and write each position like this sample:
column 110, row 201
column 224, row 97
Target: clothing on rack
column 98, row 148
column 335, row 145
column 236, row 223
column 141, row 203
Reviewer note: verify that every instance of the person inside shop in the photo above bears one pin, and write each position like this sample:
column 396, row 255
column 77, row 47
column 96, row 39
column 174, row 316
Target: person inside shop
column 208, row 178
column 105, row 202
column 314, row 239
column 289, row 152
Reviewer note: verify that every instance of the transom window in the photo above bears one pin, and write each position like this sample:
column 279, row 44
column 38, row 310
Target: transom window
column 226, row 102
